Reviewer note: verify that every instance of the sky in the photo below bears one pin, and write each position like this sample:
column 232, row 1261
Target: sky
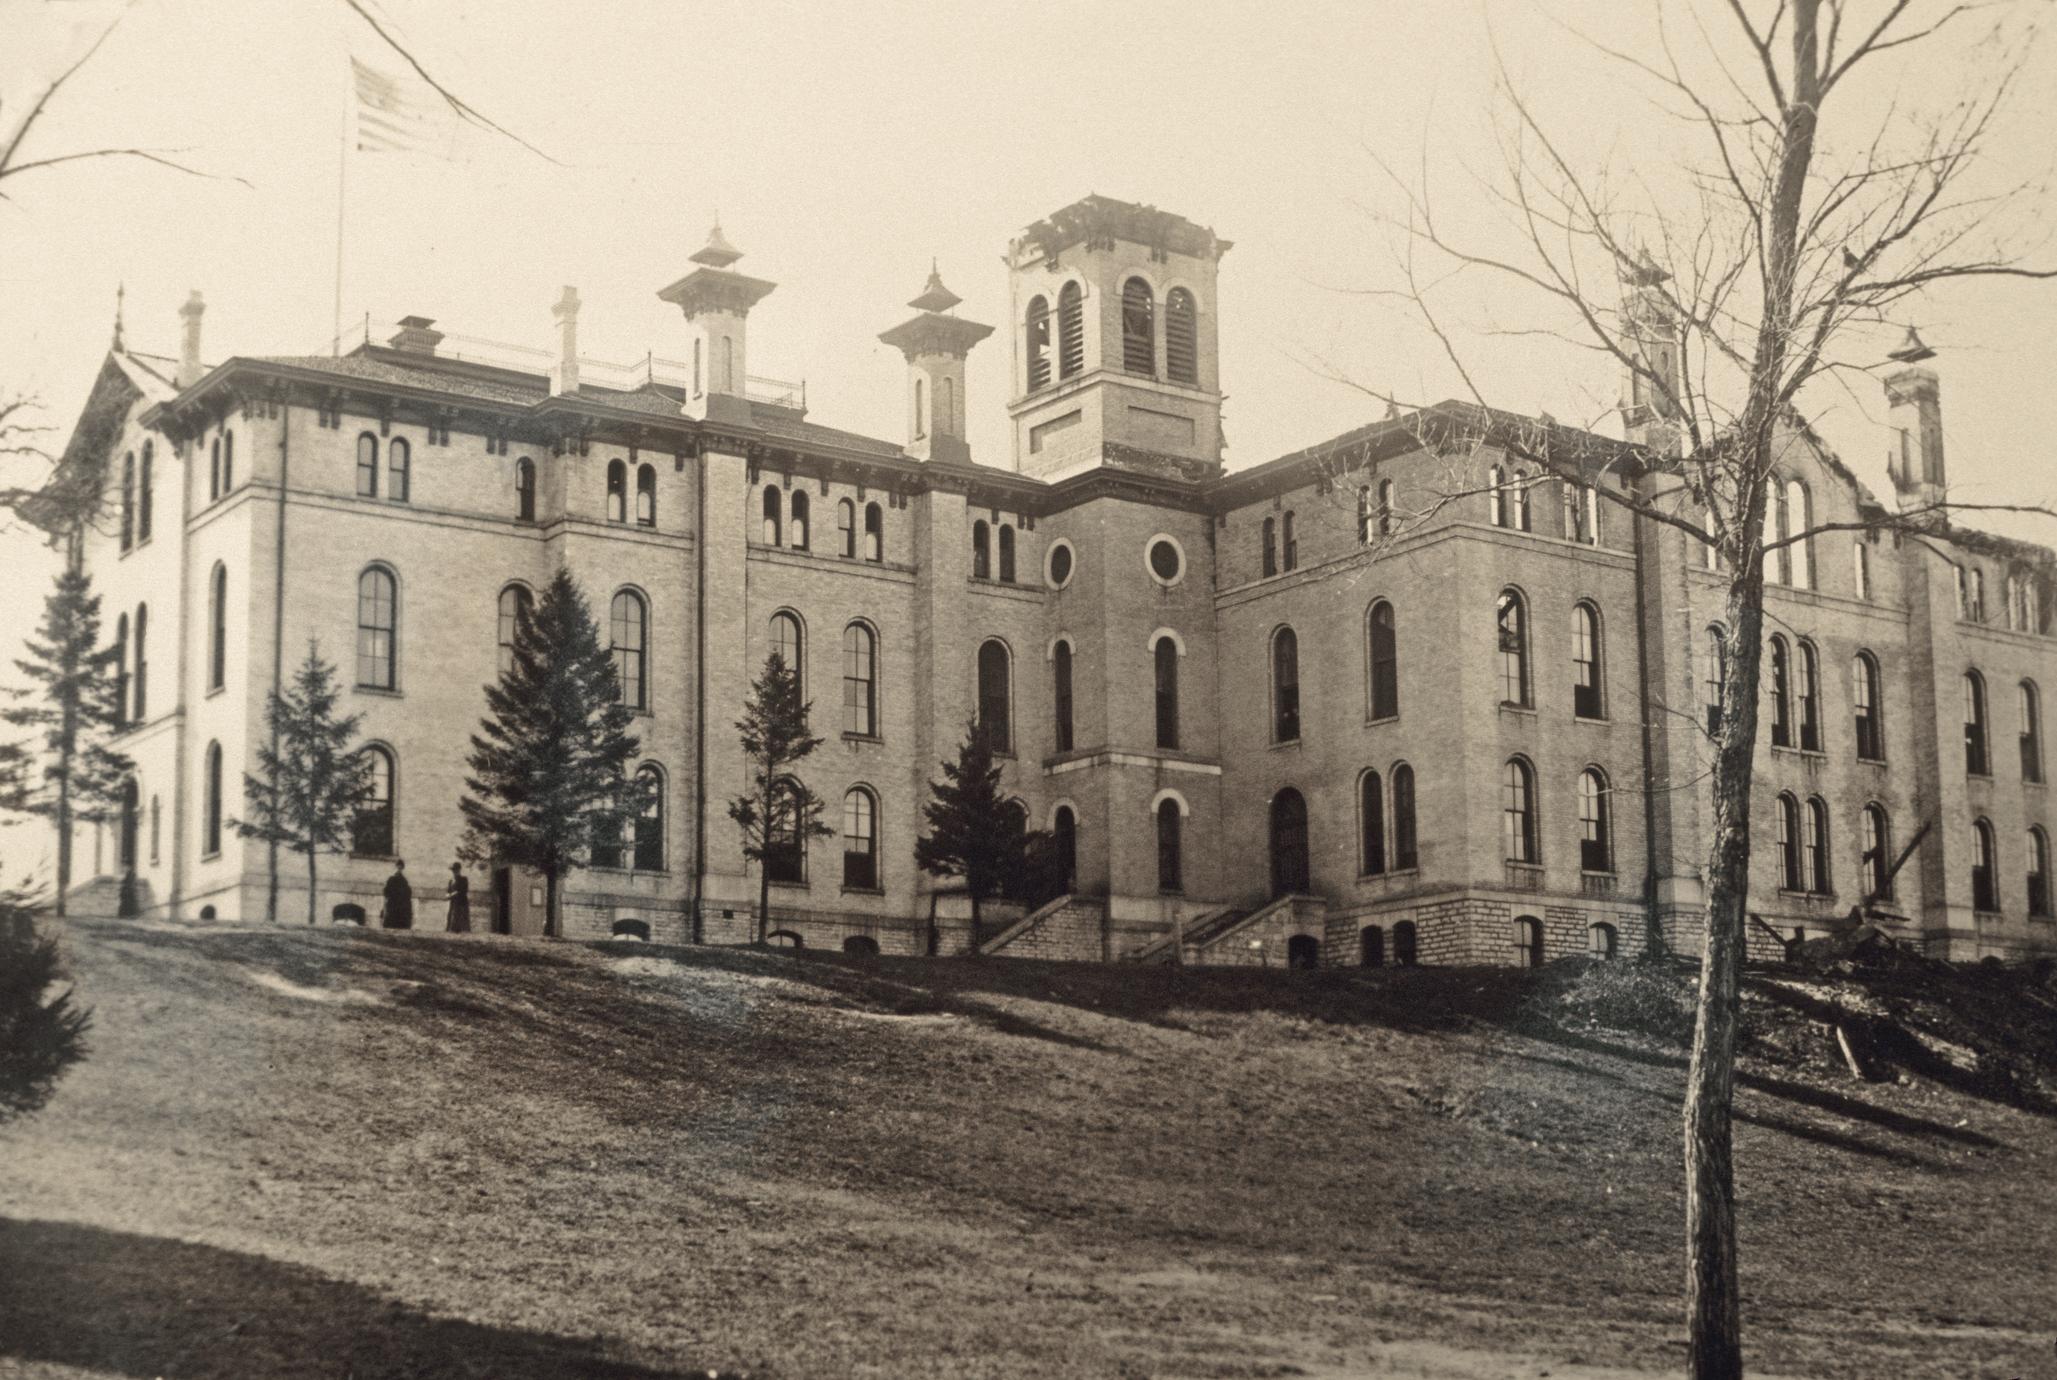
column 844, row 147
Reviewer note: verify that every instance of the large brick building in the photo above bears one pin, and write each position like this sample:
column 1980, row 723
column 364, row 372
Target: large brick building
column 1383, row 699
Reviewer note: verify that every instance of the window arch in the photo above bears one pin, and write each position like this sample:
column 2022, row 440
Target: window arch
column 860, row 681
column 773, row 506
column 1036, row 336
column 846, row 528
column 981, row 551
column 1807, row 690
column 1285, row 686
column 146, row 491
column 1798, row 511
column 1602, row 940
column 515, row 600
column 214, row 489
column 1289, row 875
column 628, row 624
column 617, row 491
column 121, row 671
column 860, row 839
column 1181, row 337
column 399, row 461
column 1878, row 853
column 1406, row 853
column 1976, row 762
column 525, row 489
column 1714, row 674
column 1165, row 658
column 1518, row 836
column 995, row 695
column 1289, row 544
column 1060, row 692
column 1385, row 507
column 649, row 826
column 210, row 817
column 1371, row 824
column 371, row 829
column 128, row 500
column 2038, row 872
column 1383, row 682
column 1587, row 700
column 367, row 465
column 1985, row 867
column 1865, row 696
column 799, row 530
column 1071, row 330
column 1170, row 846
column 1006, row 553
column 874, row 533
column 1791, row 876
column 142, row 686
column 1780, row 684
column 1496, row 495
column 1405, row 950
column 1816, row 847
column 1595, row 821
column 217, row 626
column 2031, row 701
column 789, row 645
column 1270, row 547
column 1513, row 621
column 646, row 496
column 1528, row 941
column 378, row 628
column 1138, row 328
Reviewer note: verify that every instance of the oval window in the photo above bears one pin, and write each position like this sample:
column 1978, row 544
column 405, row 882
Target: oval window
column 1060, row 565
column 1165, row 561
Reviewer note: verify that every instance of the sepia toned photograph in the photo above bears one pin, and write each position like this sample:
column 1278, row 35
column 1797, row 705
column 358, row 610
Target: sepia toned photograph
column 1167, row 690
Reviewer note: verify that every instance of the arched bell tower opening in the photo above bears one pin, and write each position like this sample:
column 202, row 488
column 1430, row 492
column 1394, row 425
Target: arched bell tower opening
column 1114, row 331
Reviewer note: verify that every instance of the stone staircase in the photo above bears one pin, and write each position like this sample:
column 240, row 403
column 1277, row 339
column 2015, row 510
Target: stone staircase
column 103, row 896
column 1205, row 933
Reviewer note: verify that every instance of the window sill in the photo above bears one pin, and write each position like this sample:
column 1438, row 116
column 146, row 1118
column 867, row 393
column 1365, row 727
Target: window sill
column 1371, row 719
column 214, row 690
column 1284, row 743
column 2038, row 783
column 871, row 738
column 1817, row 897
column 361, row 857
column 1510, row 707
column 1984, row 776
column 790, row 886
column 380, row 691
column 210, row 857
column 863, row 890
column 1871, row 761
column 1591, row 719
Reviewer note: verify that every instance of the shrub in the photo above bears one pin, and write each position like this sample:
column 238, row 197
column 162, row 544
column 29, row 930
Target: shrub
column 40, row 1035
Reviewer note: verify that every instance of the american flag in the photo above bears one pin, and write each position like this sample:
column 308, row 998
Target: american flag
column 400, row 114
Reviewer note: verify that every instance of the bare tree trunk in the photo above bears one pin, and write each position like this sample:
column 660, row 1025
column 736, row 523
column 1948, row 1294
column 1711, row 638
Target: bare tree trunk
column 550, row 928
column 63, row 837
column 764, row 900
column 310, row 887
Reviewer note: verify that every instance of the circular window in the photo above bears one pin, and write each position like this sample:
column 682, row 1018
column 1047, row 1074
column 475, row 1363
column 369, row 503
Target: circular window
column 1166, row 560
column 1058, row 569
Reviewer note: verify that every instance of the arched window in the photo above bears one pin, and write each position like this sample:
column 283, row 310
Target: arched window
column 995, row 699
column 1384, row 680
column 785, row 846
column 920, row 410
column 1496, row 495
column 1816, row 843
column 649, row 854
column 1405, row 950
column 1528, row 942
column 1807, row 688
column 210, row 805
column 860, row 681
column 2031, row 731
column 1285, row 686
column 1385, row 507
column 214, row 489
column 628, row 637
column 1289, row 545
column 1777, row 559
column 789, row 645
column 1518, row 500
column 798, row 528
column 1071, row 331
column 617, row 491
column 128, row 500
column 142, row 663
column 121, row 671
column 1371, row 824
column 1860, row 569
column 1170, row 859
column 1166, row 658
column 371, row 829
column 646, row 495
column 1595, row 822
column 377, row 628
column 525, row 489
column 981, row 551
column 1270, row 547
column 1975, row 760
column 367, row 465
column 1138, row 328
column 1714, row 674
column 146, row 491
column 1006, row 553
column 228, row 463
column 1864, row 691
column 1878, row 854
column 1513, row 620
column 874, row 533
column 846, row 528
column 860, row 840
column 1288, row 843
column 1060, row 693
column 218, row 627
column 1181, row 338
column 1985, row 868
column 1602, row 940
column 399, row 457
column 1371, row 946
column 1799, row 515
column 1364, row 514
column 1406, row 854
column 1518, row 812
column 2038, row 872
column 1586, row 701
column 1780, row 684
column 1064, row 828
column 1791, row 876
column 773, row 514
column 515, row 600
column 946, row 407
column 1036, row 349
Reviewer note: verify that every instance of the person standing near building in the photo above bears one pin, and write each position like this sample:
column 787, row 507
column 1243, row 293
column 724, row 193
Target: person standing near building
column 458, row 891
column 398, row 912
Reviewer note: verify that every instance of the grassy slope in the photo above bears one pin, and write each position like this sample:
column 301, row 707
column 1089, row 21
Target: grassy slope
column 342, row 1153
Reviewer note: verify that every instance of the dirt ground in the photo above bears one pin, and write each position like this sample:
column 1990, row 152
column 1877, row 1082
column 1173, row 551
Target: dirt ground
column 348, row 1154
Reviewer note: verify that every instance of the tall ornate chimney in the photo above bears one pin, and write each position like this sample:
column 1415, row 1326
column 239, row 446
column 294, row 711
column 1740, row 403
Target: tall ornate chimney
column 935, row 344
column 190, row 367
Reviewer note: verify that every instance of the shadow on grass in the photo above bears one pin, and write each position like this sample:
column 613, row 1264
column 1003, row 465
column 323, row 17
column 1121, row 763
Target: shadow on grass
column 117, row 1303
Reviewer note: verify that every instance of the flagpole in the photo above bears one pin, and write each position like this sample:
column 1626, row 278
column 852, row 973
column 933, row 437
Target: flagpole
column 342, row 189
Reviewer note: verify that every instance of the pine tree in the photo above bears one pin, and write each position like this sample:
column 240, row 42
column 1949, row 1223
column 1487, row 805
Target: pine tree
column 310, row 783
column 975, row 832
column 780, row 814
column 550, row 762
column 39, row 1037
column 75, row 701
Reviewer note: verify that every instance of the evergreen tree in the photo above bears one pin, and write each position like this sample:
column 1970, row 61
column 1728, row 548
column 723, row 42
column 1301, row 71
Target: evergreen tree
column 780, row 814
column 310, row 783
column 976, row 833
column 549, row 766
column 75, row 702
column 39, row 1037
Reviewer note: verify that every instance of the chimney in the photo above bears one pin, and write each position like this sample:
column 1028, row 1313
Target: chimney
column 1914, row 418
column 190, row 367
column 1650, row 332
column 417, row 336
column 935, row 344
column 565, row 377
column 716, row 301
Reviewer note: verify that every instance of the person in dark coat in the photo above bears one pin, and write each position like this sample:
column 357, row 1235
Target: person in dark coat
column 398, row 912
column 458, row 891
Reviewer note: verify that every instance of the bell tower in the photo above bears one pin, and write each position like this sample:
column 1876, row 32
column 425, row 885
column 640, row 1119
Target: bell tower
column 1650, row 329
column 1914, row 418
column 1114, row 329
column 716, row 301
column 935, row 344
